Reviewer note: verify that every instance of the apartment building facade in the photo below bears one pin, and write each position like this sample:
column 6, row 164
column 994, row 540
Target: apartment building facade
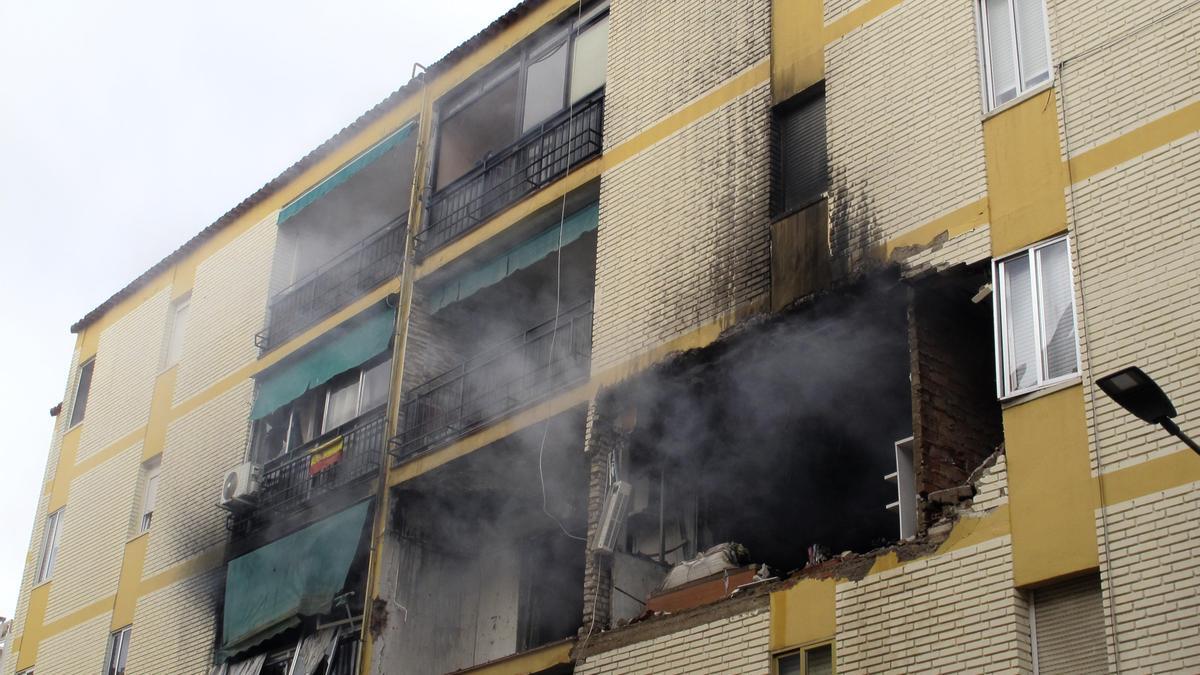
column 754, row 337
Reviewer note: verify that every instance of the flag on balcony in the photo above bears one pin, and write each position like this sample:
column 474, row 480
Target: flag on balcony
column 326, row 455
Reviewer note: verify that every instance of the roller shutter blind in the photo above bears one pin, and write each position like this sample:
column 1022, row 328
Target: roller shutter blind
column 803, row 165
column 1069, row 627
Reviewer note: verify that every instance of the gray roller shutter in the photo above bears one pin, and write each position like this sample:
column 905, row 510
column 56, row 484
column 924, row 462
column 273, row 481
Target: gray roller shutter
column 803, row 166
column 1068, row 620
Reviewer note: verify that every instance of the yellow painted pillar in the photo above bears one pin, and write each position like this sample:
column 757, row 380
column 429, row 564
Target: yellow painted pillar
column 797, row 47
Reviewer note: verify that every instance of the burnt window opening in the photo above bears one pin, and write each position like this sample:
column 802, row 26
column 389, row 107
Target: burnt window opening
column 776, row 438
column 558, row 67
column 800, row 162
column 482, row 568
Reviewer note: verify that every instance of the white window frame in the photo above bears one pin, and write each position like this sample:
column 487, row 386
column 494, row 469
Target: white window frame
column 358, row 398
column 803, row 653
column 72, row 422
column 118, row 645
column 152, row 474
column 176, row 332
column 1000, row 312
column 51, row 535
column 986, row 53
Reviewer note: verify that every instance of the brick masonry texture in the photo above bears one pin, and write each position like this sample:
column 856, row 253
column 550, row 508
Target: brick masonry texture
column 228, row 307
column 663, row 55
column 881, row 128
column 123, row 378
column 1137, row 251
column 175, row 627
column 968, row 247
column 956, row 612
column 1149, row 573
column 736, row 644
column 1127, row 63
column 80, row 649
column 991, row 488
column 835, row 9
column 200, row 447
column 95, row 527
column 684, row 231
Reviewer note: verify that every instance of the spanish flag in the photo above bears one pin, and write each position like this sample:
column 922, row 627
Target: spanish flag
column 325, row 456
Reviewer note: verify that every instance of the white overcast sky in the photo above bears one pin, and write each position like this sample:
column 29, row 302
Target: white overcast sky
column 126, row 127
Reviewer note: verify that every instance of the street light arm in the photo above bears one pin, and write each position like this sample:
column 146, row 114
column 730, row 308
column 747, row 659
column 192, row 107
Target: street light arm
column 1173, row 429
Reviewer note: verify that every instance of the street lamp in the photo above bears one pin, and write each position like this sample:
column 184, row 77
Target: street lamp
column 1136, row 392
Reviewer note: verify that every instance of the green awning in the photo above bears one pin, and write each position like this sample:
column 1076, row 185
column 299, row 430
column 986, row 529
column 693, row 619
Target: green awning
column 343, row 174
column 355, row 346
column 270, row 588
column 522, row 255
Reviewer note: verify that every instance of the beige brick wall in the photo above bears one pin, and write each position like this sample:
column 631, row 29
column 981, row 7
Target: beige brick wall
column 968, row 247
column 175, row 627
column 991, row 488
column 904, row 118
column 956, row 612
column 127, row 360
column 79, row 650
column 201, row 446
column 228, row 306
column 1128, row 63
column 663, row 55
column 684, row 231
column 835, row 9
column 737, row 644
column 1137, row 247
column 1151, row 582
column 95, row 529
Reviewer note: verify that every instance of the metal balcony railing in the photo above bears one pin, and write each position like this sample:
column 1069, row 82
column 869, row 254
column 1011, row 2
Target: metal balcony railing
column 334, row 285
column 537, row 159
column 497, row 383
column 293, row 481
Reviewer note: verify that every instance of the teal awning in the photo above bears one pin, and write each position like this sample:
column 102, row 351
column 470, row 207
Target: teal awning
column 343, row 174
column 522, row 255
column 270, row 588
column 352, row 348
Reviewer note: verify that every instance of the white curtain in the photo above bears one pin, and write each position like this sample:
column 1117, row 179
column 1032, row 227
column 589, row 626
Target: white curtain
column 312, row 648
column 250, row 666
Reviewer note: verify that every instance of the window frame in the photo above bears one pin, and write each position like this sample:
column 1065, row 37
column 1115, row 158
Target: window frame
column 152, row 475
column 802, row 653
column 795, row 105
column 1000, row 318
column 181, row 305
column 985, row 53
column 77, row 416
column 118, row 646
column 51, row 536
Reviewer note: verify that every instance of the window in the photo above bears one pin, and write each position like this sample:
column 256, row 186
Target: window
column 802, row 167
column 118, row 652
column 82, row 386
column 1067, row 622
column 1036, row 307
column 149, row 494
column 589, row 58
column 179, row 315
column 1016, row 47
column 356, row 393
column 50, row 537
column 812, row 661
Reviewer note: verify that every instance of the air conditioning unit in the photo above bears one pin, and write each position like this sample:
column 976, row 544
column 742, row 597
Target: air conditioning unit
column 237, row 492
column 613, row 516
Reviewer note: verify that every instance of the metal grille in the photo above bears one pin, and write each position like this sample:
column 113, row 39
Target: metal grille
column 497, row 383
column 334, row 285
column 286, row 484
column 538, row 158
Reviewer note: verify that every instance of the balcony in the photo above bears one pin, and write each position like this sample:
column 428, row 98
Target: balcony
column 342, row 457
column 497, row 382
column 334, row 285
column 537, row 159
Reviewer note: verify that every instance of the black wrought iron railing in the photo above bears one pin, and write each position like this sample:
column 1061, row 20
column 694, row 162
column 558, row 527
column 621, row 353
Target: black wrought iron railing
column 537, row 159
column 344, row 456
column 334, row 285
column 497, row 383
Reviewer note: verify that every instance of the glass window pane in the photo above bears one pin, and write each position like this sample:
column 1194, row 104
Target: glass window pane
column 122, row 653
column 342, row 405
column 1001, row 59
column 1020, row 337
column 81, row 392
column 375, row 385
column 588, row 62
column 1058, row 314
column 1031, row 41
column 50, row 545
column 819, row 661
column 545, row 84
column 789, row 665
column 485, row 125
